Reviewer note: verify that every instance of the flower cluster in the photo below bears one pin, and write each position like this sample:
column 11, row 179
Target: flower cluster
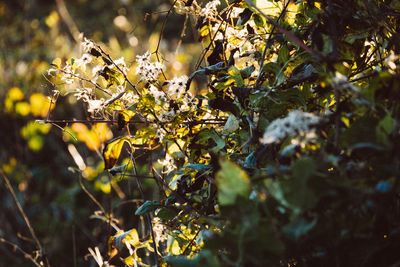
column 147, row 70
column 296, row 123
column 210, row 9
column 85, row 94
column 177, row 87
column 159, row 231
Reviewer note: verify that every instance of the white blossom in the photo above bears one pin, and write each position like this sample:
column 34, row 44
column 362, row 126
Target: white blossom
column 177, row 87
column 168, row 164
column 160, row 134
column 87, row 45
column 167, row 116
column 148, row 70
column 68, row 74
column 342, row 82
column 83, row 93
column 296, row 123
column 157, row 94
column 120, row 63
column 96, row 105
column 210, row 9
column 85, row 59
column 159, row 231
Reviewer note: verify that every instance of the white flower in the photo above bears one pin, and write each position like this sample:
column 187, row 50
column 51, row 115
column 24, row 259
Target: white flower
column 51, row 70
column 159, row 231
column 341, row 82
column 157, row 94
column 160, row 134
column 177, row 87
column 167, row 116
column 168, row 163
column 122, row 65
column 147, row 70
column 83, row 93
column 87, row 45
column 95, row 105
column 85, row 59
column 210, row 10
column 68, row 74
column 296, row 123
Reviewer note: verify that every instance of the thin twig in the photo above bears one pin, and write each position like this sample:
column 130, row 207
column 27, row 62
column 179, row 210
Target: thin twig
column 86, row 80
column 31, row 230
column 288, row 34
column 16, row 247
column 119, row 69
column 148, row 218
column 91, row 196
column 191, row 242
column 266, row 45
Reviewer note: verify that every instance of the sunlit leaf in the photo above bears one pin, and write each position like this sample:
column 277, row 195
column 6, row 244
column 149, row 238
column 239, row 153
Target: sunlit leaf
column 15, row 94
column 130, row 237
column 40, row 106
column 124, row 116
column 232, row 182
column 22, row 108
column 112, row 150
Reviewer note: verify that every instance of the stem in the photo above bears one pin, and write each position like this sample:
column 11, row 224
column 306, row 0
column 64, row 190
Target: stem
column 28, row 224
column 16, row 247
column 148, row 217
column 266, row 45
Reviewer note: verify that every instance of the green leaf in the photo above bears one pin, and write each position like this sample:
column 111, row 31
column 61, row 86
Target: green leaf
column 231, row 125
column 295, row 193
column 167, row 213
column 384, row 128
column 246, row 72
column 304, row 168
column 271, row 67
column 112, row 150
column 147, row 207
column 235, row 73
column 232, row 182
column 258, row 20
column 283, row 55
column 198, row 167
column 124, row 116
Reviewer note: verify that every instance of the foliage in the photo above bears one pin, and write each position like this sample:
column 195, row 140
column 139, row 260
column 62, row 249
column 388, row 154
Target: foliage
column 286, row 156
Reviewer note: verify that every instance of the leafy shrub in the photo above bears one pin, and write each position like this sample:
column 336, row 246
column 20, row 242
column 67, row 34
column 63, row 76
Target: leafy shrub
column 287, row 156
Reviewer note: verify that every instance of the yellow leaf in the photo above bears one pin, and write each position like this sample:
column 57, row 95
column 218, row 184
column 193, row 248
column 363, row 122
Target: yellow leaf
column 39, row 105
column 52, row 19
column 112, row 150
column 22, row 108
column 15, row 94
column 124, row 116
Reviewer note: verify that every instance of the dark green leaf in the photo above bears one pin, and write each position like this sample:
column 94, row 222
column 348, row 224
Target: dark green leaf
column 148, row 206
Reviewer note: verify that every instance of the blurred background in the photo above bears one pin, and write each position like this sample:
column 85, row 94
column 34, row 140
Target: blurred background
column 38, row 158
